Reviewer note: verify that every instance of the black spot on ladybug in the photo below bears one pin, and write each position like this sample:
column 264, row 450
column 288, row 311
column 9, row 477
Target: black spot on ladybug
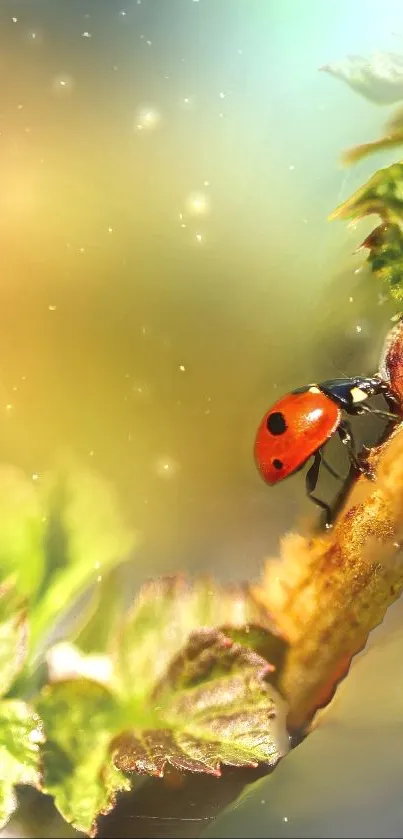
column 278, row 464
column 276, row 423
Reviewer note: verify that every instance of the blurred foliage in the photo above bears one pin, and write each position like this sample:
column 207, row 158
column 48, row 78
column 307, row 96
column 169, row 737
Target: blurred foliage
column 185, row 678
column 393, row 137
column 385, row 245
column 20, row 727
column 22, row 529
column 58, row 536
column 379, row 79
column 13, row 635
column 85, row 538
column 381, row 195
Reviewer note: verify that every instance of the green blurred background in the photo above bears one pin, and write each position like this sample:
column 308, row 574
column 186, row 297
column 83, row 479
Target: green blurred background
column 167, row 268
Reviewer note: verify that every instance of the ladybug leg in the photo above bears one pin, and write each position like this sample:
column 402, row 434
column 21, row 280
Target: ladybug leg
column 331, row 470
column 347, row 439
column 385, row 414
column 310, row 484
column 390, row 397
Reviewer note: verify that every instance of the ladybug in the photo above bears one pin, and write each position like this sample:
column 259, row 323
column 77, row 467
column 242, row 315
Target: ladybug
column 298, row 426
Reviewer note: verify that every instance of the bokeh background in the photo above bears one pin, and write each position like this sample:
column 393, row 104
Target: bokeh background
column 167, row 269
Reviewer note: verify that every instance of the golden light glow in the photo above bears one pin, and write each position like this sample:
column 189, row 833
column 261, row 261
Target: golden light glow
column 147, row 118
column 63, row 83
column 166, row 467
column 198, row 204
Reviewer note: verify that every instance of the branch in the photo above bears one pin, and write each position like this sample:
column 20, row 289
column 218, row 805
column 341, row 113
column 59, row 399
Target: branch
column 328, row 592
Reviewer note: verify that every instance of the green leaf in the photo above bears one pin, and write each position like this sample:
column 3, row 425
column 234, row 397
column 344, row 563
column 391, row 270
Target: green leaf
column 58, row 536
column 165, row 613
column 215, row 706
column 86, row 538
column 80, row 718
column 378, row 78
column 20, row 738
column 385, row 245
column 22, row 528
column 382, row 195
column 171, row 696
column 103, row 614
column 13, row 636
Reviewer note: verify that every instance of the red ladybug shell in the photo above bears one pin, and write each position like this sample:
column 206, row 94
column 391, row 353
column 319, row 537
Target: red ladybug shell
column 293, row 430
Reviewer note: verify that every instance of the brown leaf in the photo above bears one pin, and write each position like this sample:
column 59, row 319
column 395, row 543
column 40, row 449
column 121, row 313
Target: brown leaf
column 150, row 752
column 216, row 707
column 143, row 648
